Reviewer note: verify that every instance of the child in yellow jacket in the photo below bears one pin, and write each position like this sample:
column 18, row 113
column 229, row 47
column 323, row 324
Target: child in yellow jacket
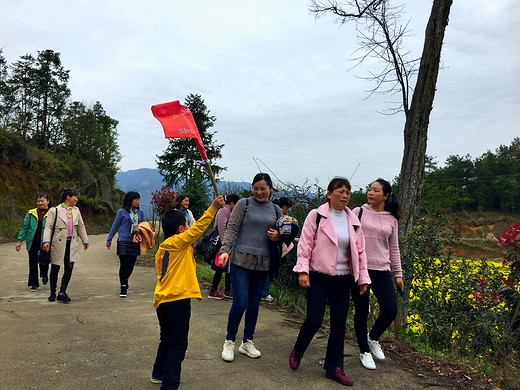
column 176, row 284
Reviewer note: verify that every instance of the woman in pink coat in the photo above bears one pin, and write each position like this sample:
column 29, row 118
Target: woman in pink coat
column 331, row 259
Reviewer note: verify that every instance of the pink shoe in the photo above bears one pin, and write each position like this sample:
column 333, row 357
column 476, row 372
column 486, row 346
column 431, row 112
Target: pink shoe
column 228, row 294
column 294, row 362
column 215, row 295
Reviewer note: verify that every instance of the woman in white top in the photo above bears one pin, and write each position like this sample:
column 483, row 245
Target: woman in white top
column 331, row 259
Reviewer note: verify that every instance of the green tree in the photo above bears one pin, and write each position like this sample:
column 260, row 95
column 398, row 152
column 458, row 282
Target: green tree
column 92, row 134
column 52, row 94
column 36, row 96
column 181, row 161
column 5, row 95
column 20, row 85
column 490, row 182
column 197, row 190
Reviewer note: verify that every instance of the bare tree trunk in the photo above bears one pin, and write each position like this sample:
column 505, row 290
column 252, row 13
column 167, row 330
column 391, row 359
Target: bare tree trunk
column 418, row 116
column 416, row 129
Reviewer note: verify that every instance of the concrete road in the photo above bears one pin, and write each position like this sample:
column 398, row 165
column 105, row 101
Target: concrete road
column 100, row 341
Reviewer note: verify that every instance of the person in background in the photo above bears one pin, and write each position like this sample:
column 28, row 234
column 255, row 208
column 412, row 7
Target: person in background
column 69, row 226
column 126, row 223
column 32, row 231
column 246, row 247
column 379, row 221
column 182, row 202
column 285, row 204
column 331, row 258
column 221, row 221
column 176, row 285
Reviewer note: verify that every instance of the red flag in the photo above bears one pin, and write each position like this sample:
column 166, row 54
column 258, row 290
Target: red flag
column 177, row 122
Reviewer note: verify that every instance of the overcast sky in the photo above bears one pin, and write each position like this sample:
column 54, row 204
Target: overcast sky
column 276, row 79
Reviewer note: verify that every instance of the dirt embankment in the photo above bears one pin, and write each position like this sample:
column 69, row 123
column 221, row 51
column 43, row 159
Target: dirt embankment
column 475, row 232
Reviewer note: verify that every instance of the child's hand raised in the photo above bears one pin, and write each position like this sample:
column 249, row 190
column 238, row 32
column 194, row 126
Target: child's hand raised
column 218, row 202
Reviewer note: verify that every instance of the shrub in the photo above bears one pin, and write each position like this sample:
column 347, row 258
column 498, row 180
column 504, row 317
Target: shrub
column 467, row 307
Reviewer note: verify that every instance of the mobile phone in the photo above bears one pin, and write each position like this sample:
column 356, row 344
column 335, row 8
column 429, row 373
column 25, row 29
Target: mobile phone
column 399, row 289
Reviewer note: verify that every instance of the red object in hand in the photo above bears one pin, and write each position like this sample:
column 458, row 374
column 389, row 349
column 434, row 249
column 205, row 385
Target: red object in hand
column 177, row 122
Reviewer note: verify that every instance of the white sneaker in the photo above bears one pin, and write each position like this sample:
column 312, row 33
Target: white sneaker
column 375, row 348
column 228, row 351
column 268, row 298
column 249, row 349
column 367, row 361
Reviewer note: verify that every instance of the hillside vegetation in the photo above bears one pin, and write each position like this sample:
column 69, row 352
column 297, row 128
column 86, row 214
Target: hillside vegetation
column 26, row 170
column 49, row 143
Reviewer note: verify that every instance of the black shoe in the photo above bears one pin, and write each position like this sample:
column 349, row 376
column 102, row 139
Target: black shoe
column 122, row 294
column 45, row 279
column 63, row 297
column 52, row 297
column 34, row 288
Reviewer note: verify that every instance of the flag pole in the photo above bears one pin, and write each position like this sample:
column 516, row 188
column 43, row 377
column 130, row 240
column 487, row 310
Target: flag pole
column 210, row 173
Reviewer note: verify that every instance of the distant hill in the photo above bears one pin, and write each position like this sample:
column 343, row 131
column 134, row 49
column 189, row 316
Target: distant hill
column 143, row 180
column 148, row 180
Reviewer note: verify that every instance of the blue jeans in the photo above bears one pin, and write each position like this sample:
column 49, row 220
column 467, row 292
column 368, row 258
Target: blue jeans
column 267, row 284
column 247, row 293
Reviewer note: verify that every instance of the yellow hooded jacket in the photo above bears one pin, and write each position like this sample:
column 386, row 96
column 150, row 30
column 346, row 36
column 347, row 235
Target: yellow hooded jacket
column 175, row 264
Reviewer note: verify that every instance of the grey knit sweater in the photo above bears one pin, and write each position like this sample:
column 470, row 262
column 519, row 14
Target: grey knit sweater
column 247, row 232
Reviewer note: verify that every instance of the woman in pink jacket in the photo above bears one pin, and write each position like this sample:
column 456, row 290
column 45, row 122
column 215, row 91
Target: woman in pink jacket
column 379, row 220
column 331, row 259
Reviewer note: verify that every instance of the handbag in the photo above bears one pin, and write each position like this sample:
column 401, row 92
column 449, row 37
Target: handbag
column 44, row 258
column 209, row 246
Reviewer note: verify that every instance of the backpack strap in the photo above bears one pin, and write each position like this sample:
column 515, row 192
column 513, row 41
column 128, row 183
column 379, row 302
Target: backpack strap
column 318, row 219
column 276, row 212
column 359, row 217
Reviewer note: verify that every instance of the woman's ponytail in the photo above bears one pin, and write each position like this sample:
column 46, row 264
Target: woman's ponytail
column 392, row 206
column 391, row 203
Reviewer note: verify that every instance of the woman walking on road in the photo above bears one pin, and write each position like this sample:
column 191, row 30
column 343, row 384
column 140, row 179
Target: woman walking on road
column 246, row 246
column 32, row 231
column 126, row 223
column 379, row 221
column 69, row 226
column 331, row 259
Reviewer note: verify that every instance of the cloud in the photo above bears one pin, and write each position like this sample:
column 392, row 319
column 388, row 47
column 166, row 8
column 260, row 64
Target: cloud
column 276, row 79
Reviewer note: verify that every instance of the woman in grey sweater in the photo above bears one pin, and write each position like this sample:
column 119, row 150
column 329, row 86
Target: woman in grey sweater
column 246, row 246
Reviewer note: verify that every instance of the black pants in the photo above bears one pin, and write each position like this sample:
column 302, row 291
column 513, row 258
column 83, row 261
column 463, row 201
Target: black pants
column 67, row 273
column 174, row 320
column 33, row 266
column 383, row 288
column 126, row 267
column 217, row 277
column 323, row 289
